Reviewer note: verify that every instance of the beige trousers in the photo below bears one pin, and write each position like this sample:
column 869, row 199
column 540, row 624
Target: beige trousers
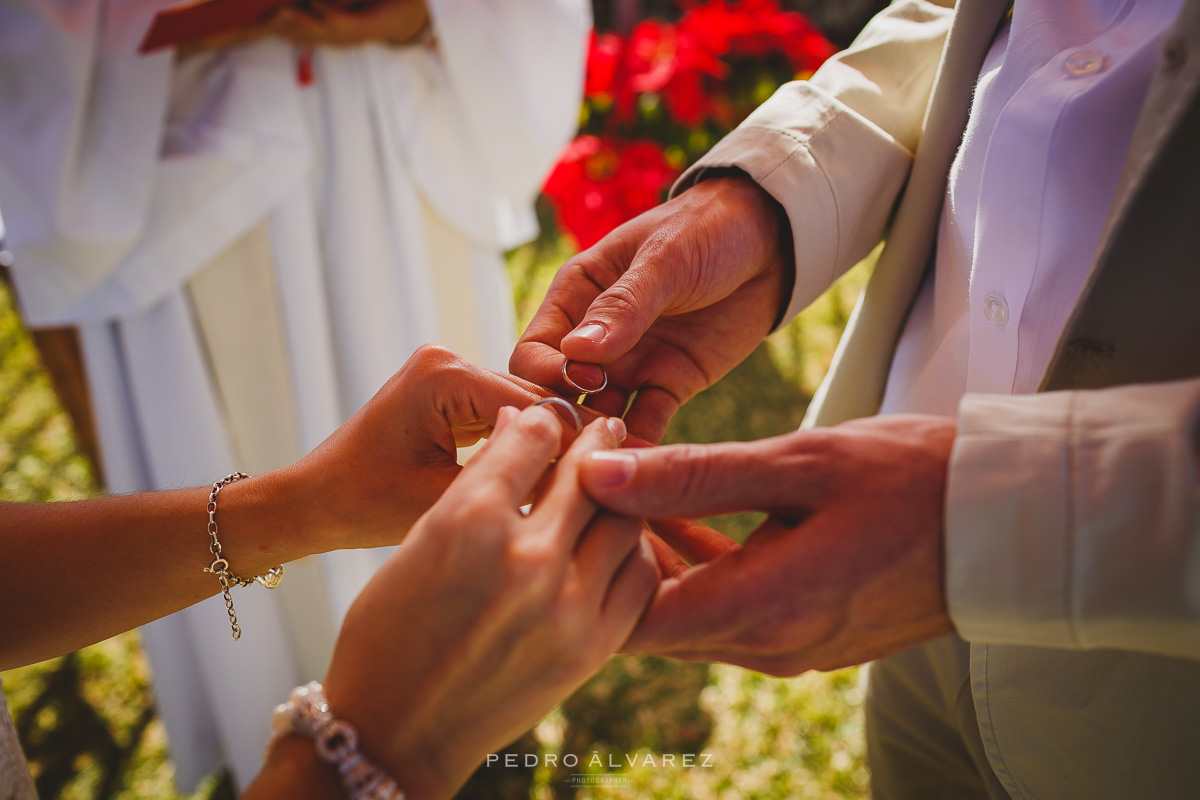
column 923, row 739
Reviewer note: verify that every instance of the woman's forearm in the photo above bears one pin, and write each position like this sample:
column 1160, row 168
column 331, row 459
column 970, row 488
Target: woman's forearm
column 76, row 573
column 79, row 572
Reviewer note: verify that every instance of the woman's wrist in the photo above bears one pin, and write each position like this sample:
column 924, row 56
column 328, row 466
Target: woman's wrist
column 292, row 769
column 415, row 759
column 265, row 520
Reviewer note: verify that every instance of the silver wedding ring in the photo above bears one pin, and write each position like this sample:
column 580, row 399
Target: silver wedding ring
column 577, row 387
column 567, row 406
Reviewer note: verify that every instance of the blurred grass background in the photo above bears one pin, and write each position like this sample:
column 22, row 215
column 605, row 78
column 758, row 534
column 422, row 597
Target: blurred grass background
column 87, row 720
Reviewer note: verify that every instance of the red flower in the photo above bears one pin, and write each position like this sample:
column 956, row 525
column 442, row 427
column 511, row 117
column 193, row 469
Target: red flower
column 756, row 28
column 686, row 70
column 604, row 59
column 599, row 184
column 660, row 59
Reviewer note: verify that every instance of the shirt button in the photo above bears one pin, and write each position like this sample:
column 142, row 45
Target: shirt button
column 995, row 310
column 1084, row 62
column 1174, row 52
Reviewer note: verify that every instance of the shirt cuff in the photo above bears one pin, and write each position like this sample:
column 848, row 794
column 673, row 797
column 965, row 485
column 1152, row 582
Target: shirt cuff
column 1073, row 519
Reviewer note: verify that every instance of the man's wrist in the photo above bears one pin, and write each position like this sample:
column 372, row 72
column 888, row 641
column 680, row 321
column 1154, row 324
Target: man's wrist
column 785, row 248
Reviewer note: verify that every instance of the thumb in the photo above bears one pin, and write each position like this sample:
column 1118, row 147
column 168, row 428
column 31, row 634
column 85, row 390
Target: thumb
column 700, row 480
column 619, row 316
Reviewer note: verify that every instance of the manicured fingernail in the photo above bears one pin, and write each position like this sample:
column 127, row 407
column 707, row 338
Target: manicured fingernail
column 616, row 427
column 612, row 468
column 593, row 332
column 588, row 377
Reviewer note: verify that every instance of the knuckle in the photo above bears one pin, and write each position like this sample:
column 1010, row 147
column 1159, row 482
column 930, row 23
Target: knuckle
column 809, row 458
column 433, row 353
column 690, row 466
column 542, row 429
column 621, row 299
column 473, row 513
column 529, row 562
column 430, row 360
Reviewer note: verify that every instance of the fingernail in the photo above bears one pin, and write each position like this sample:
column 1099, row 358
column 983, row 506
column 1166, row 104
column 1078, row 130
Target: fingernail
column 616, row 427
column 612, row 468
column 593, row 332
column 588, row 377
column 648, row 551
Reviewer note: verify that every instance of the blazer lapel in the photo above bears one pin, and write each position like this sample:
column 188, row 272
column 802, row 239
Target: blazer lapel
column 858, row 374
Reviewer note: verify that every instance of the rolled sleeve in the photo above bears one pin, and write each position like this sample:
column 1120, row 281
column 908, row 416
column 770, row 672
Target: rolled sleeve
column 835, row 151
column 1073, row 519
column 835, row 173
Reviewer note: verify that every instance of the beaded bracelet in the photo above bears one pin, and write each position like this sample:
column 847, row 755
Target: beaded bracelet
column 336, row 741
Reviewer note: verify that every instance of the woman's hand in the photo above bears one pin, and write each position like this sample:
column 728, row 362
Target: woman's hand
column 123, row 561
column 487, row 617
column 370, row 481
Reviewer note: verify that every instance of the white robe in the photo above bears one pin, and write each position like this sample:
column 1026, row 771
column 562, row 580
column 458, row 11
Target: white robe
column 249, row 260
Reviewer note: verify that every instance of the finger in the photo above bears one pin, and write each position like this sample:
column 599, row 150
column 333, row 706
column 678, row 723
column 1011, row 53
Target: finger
column 611, row 402
column 617, row 318
column 650, row 412
column 742, row 606
column 577, row 283
column 536, row 356
column 583, row 377
column 391, row 20
column 468, row 394
column 601, row 550
column 346, row 28
column 695, row 542
column 693, row 611
column 565, row 509
column 296, row 26
column 704, row 480
column 516, row 457
column 632, row 588
column 670, row 564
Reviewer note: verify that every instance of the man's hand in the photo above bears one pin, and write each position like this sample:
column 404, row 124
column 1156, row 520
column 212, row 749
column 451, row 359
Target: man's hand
column 373, row 477
column 325, row 23
column 847, row 568
column 668, row 303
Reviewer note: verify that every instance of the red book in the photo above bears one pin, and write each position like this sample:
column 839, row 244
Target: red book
column 193, row 21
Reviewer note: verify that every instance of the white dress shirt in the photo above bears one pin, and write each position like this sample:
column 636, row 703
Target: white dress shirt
column 1028, row 193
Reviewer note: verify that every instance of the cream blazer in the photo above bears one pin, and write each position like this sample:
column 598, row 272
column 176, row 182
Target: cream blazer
column 1073, row 515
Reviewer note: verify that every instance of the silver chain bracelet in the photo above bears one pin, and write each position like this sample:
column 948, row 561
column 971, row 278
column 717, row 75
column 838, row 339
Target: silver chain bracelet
column 220, row 566
column 307, row 713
